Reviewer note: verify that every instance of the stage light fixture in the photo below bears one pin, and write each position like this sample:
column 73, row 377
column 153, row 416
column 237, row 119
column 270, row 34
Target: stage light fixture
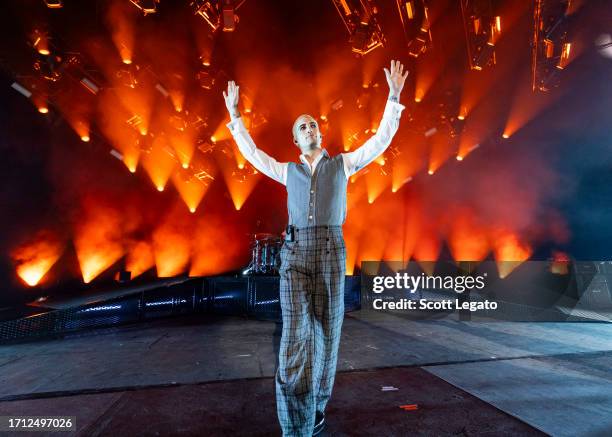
column 146, row 6
column 205, row 79
column 431, row 132
column 53, row 4
column 209, row 11
column 550, row 43
column 163, row 91
column 21, row 89
column 116, row 154
column 218, row 13
column 482, row 29
column 90, row 85
column 416, row 25
column 360, row 19
column 40, row 41
column 229, row 16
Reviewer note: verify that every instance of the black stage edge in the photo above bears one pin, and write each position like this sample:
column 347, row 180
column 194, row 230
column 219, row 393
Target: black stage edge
column 255, row 296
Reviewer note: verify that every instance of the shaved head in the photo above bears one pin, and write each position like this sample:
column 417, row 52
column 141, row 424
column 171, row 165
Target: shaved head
column 304, row 118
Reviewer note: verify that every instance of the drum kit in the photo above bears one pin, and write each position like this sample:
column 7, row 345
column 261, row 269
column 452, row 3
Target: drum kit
column 265, row 255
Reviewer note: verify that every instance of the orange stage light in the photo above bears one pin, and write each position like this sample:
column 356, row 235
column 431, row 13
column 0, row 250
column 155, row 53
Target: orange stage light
column 509, row 252
column 172, row 250
column 98, row 241
column 139, row 258
column 35, row 259
column 159, row 164
column 191, row 189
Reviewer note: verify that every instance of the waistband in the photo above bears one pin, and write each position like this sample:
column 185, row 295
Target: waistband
column 317, row 228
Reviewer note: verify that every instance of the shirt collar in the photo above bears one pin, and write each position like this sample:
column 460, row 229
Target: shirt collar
column 317, row 159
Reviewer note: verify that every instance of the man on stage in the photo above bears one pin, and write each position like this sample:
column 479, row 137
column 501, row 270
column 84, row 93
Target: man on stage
column 313, row 256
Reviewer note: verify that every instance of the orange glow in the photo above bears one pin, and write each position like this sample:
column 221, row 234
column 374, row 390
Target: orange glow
column 376, row 183
column 525, row 106
column 467, row 239
column 509, row 252
column 207, row 258
column 459, row 158
column 81, row 127
column 442, row 149
column 240, row 160
column 372, row 249
column 408, row 163
column 427, row 72
column 172, row 249
column 115, row 129
column 159, row 164
column 222, row 132
column 40, row 41
column 462, row 114
column 427, row 248
column 191, row 189
column 120, row 20
column 560, row 263
column 139, row 258
column 239, row 185
column 184, row 145
column 34, row 259
column 505, row 135
column 97, row 240
column 43, row 109
column 177, row 99
column 430, row 172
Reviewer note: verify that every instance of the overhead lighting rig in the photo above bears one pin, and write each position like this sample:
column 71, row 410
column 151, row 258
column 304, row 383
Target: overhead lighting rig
column 482, row 29
column 550, row 45
column 218, row 13
column 360, row 19
column 416, row 25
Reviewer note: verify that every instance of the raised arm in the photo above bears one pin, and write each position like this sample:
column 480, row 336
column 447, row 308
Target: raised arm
column 258, row 158
column 378, row 143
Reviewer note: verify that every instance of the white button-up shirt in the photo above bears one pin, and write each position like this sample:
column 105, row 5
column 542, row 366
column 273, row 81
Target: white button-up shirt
column 353, row 161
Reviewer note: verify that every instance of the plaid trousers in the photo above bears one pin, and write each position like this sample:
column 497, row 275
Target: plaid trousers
column 312, row 304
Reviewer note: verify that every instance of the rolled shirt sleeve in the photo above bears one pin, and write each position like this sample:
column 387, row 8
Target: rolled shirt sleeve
column 259, row 159
column 378, row 143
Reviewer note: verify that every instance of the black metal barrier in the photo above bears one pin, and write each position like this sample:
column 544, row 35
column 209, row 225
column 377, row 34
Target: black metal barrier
column 256, row 296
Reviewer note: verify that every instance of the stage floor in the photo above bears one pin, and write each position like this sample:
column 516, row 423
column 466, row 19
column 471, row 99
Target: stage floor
column 213, row 375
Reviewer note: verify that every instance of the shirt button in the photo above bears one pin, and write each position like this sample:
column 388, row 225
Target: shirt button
column 311, row 203
column 311, row 191
column 310, row 217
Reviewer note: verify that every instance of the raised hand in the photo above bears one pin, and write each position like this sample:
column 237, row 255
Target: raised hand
column 396, row 79
column 231, row 99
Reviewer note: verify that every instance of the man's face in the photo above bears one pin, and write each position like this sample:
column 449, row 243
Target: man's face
column 306, row 133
